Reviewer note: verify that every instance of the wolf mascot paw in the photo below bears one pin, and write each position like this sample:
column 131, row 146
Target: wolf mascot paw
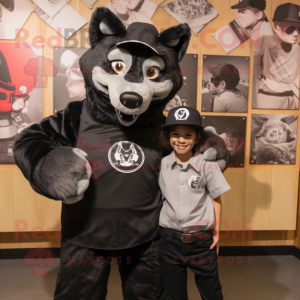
column 129, row 75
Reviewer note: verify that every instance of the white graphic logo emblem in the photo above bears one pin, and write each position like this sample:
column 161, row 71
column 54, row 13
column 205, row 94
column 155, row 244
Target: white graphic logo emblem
column 194, row 182
column 126, row 157
column 299, row 14
column 181, row 114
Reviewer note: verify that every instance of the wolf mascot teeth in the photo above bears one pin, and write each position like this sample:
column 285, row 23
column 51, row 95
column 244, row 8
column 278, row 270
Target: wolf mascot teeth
column 101, row 157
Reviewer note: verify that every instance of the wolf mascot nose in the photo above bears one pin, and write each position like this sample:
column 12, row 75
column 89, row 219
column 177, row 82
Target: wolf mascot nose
column 113, row 133
column 131, row 99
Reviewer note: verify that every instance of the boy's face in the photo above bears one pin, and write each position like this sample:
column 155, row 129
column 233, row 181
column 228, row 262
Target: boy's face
column 284, row 28
column 247, row 18
column 216, row 89
column 183, row 138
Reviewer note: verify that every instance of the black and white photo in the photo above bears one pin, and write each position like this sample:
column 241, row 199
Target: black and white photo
column 21, row 99
column 68, row 85
column 13, row 15
column 277, row 63
column 51, row 7
column 89, row 3
column 250, row 23
column 129, row 11
column 233, row 131
column 66, row 21
column 273, row 139
column 225, row 83
column 187, row 95
column 196, row 13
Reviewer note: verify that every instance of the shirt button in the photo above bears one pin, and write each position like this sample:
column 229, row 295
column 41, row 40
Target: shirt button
column 182, row 183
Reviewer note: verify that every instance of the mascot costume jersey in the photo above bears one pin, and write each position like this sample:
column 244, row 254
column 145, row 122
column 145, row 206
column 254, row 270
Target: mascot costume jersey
column 101, row 158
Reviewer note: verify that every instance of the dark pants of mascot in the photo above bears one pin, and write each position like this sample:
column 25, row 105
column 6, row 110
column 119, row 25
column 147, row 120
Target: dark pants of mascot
column 84, row 272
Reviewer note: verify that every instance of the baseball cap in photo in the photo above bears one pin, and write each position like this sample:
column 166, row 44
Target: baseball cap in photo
column 8, row 4
column 142, row 33
column 227, row 72
column 183, row 115
column 287, row 12
column 259, row 4
column 70, row 61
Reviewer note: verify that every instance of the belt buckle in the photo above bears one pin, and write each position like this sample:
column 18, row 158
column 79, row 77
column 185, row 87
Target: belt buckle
column 186, row 241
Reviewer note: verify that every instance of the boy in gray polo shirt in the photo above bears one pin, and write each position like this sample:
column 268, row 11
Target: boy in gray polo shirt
column 191, row 210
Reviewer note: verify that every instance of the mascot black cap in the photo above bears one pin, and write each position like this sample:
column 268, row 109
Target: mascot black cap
column 141, row 33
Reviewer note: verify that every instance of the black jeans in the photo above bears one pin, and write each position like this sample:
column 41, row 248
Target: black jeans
column 176, row 256
column 84, row 272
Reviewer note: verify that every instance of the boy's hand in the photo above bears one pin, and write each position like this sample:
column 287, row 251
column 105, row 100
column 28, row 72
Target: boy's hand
column 216, row 240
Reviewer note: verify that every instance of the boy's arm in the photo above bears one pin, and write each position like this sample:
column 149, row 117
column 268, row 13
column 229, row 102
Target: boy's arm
column 218, row 212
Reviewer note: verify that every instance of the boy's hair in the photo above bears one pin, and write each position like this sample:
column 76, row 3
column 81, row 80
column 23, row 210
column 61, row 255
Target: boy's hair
column 165, row 138
column 256, row 11
column 217, row 81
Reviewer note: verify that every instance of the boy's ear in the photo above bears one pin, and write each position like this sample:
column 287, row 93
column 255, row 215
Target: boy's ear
column 177, row 38
column 103, row 23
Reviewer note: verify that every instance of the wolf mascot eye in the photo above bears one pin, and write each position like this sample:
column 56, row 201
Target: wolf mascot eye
column 129, row 75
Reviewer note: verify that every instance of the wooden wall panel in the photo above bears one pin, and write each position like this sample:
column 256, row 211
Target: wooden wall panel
column 284, row 199
column 6, row 201
column 233, row 201
column 258, row 199
column 28, row 213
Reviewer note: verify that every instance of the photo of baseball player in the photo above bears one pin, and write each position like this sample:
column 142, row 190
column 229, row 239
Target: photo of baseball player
column 68, row 85
column 277, row 82
column 225, row 83
column 250, row 22
column 129, row 11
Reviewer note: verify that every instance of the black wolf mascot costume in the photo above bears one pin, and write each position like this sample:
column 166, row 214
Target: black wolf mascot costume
column 101, row 157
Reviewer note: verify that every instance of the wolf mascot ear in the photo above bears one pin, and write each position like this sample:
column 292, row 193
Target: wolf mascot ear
column 104, row 22
column 177, row 37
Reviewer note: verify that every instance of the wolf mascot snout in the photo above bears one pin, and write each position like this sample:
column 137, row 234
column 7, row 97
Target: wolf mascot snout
column 130, row 75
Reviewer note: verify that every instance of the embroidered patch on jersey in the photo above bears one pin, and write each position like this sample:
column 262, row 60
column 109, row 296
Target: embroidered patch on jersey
column 181, row 114
column 126, row 157
column 194, row 182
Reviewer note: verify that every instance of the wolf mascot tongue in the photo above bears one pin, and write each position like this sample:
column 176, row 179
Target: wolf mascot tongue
column 108, row 184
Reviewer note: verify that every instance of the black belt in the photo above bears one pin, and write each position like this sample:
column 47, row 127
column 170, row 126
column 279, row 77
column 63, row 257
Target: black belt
column 187, row 237
column 283, row 94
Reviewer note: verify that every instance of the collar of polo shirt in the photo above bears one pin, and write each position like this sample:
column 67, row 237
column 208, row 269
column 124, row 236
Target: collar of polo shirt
column 195, row 162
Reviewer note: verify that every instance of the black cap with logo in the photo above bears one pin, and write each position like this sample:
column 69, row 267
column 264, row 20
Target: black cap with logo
column 259, row 4
column 287, row 12
column 142, row 33
column 183, row 115
column 227, row 72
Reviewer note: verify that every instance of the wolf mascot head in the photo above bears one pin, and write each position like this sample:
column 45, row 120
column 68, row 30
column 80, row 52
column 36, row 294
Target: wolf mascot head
column 135, row 72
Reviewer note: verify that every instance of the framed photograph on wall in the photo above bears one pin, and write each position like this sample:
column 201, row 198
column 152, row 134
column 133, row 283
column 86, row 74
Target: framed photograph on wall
column 187, row 95
column 68, row 85
column 133, row 11
column 225, row 83
column 273, row 139
column 21, row 104
column 194, row 13
column 233, row 131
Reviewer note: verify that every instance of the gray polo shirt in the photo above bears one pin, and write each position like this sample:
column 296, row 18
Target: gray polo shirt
column 187, row 192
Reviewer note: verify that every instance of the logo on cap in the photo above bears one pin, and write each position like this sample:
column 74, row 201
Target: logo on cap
column 181, row 114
